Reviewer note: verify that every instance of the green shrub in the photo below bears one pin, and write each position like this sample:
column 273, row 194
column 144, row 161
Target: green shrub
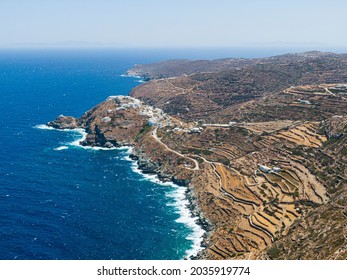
column 273, row 252
column 143, row 130
column 296, row 193
column 344, row 151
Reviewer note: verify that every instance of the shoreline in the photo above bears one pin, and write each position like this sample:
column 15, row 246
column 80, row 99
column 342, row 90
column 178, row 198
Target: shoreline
column 182, row 204
column 189, row 215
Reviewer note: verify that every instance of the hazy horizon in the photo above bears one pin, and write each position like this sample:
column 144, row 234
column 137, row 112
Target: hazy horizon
column 160, row 54
column 296, row 24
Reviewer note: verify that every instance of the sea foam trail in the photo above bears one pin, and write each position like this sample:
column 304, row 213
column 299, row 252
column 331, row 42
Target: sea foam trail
column 181, row 204
column 130, row 76
column 61, row 148
column 139, row 79
column 84, row 134
column 75, row 143
column 43, row 126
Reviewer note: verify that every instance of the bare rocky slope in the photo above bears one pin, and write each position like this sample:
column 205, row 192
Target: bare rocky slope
column 222, row 95
column 261, row 148
column 179, row 67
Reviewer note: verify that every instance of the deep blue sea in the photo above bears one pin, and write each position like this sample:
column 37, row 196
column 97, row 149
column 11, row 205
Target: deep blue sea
column 61, row 201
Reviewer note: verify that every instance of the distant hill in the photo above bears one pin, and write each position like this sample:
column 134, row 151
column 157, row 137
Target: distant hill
column 216, row 95
column 174, row 68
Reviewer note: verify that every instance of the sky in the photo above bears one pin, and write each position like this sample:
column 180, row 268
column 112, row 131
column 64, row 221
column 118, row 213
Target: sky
column 174, row 23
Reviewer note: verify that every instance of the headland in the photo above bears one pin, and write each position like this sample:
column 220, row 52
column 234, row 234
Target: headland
column 259, row 143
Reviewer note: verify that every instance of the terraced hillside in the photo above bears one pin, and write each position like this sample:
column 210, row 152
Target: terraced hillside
column 249, row 205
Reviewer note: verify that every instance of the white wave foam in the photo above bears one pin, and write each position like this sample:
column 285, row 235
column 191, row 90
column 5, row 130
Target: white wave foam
column 84, row 134
column 61, row 148
column 181, row 203
column 130, row 76
column 43, row 126
column 76, row 142
column 46, row 127
column 178, row 194
column 73, row 143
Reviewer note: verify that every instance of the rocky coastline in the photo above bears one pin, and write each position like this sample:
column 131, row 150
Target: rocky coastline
column 148, row 167
column 96, row 138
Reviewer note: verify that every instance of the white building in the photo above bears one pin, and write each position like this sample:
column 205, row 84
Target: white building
column 196, row 130
column 306, row 102
column 276, row 169
column 106, row 119
column 152, row 121
column 341, row 86
column 264, row 168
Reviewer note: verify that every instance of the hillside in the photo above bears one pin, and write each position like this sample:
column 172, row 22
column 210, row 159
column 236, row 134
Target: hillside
column 179, row 67
column 221, row 96
column 261, row 148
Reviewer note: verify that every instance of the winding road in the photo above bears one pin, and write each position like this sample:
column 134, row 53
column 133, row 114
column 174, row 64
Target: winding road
column 155, row 136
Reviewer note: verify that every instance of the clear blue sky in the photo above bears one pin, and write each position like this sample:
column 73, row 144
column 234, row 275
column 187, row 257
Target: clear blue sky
column 175, row 23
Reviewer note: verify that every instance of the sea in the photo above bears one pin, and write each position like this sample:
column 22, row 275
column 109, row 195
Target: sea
column 61, row 201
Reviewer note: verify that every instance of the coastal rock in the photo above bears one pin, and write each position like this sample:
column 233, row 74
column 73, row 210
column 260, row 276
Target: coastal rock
column 147, row 166
column 180, row 182
column 108, row 145
column 64, row 122
column 89, row 140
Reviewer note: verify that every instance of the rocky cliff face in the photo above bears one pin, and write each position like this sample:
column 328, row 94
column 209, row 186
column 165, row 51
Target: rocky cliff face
column 110, row 124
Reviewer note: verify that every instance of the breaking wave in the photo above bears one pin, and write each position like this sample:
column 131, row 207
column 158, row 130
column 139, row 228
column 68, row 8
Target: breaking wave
column 180, row 203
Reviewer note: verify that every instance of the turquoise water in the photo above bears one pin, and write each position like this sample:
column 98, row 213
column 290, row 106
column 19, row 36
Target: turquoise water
column 60, row 201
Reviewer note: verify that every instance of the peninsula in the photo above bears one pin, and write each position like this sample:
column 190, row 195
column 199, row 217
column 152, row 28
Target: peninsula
column 259, row 143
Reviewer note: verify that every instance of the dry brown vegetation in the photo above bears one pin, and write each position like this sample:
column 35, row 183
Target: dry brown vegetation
column 251, row 207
